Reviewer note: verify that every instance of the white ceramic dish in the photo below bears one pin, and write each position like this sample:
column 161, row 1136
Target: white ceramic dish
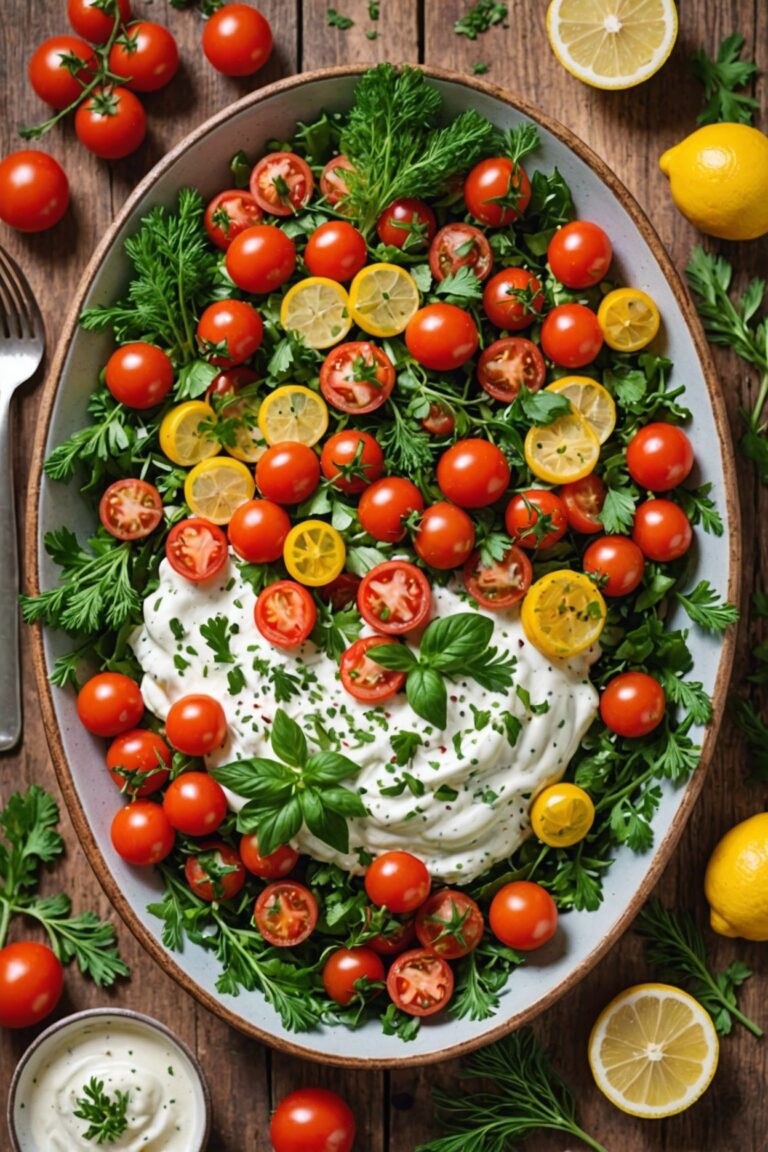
column 202, row 160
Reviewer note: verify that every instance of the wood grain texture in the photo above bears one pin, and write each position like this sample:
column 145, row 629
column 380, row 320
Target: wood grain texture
column 629, row 130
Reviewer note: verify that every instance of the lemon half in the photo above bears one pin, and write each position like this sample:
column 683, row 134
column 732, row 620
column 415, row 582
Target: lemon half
column 612, row 43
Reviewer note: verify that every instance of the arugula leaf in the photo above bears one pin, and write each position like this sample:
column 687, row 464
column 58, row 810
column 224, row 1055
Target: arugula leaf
column 720, row 77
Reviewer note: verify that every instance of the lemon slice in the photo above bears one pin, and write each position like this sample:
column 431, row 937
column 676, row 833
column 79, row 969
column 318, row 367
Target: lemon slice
column 562, row 815
column 591, row 401
column 215, row 488
column 182, row 437
column 293, row 412
column 314, row 553
column 612, row 43
column 629, row 319
column 248, row 444
column 563, row 613
column 382, row 299
column 653, row 1050
column 563, row 451
column 318, row 309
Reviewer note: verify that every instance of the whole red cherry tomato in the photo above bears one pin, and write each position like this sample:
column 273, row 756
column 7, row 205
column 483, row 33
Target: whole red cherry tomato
column 230, row 331
column 617, row 562
column 450, row 924
column 408, row 223
column 271, row 867
column 257, row 531
column 523, row 915
column 141, row 833
column 139, row 375
column 661, row 530
column 345, row 967
column 513, row 299
column 134, row 761
column 31, row 983
column 215, row 871
column 229, row 214
column 260, row 259
column 34, row 191
column 145, row 56
column 497, row 191
column 445, row 536
column 196, row 724
column 288, row 473
column 473, row 473
column 384, row 506
column 571, row 336
column 312, row 1120
column 397, row 881
column 536, row 518
column 49, row 76
column 109, row 704
column 93, row 22
column 195, row 803
column 237, row 40
column 632, row 704
column 579, row 254
column 659, row 457
column 351, row 460
column 441, row 337
column 335, row 250
column 111, row 122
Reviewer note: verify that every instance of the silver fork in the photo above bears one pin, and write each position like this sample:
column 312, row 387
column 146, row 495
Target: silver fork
column 22, row 342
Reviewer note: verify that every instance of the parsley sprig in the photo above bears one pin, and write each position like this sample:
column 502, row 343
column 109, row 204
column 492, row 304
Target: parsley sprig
column 107, row 1116
column 720, row 77
column 479, row 18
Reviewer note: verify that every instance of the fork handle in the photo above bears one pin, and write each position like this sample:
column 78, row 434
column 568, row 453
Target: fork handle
column 10, row 688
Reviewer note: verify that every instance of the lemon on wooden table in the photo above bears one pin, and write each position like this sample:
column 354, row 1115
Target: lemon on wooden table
column 736, row 880
column 612, row 43
column 718, row 177
column 653, row 1050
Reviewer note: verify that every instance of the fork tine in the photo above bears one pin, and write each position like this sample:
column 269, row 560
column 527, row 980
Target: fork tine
column 29, row 319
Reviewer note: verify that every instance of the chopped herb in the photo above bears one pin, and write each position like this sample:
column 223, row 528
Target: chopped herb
column 720, row 78
column 107, row 1116
column 334, row 19
column 479, row 18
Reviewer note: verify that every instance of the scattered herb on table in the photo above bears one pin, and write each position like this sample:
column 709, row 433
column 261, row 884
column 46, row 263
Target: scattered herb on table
column 107, row 1116
column 334, row 19
column 479, row 18
column 720, row 78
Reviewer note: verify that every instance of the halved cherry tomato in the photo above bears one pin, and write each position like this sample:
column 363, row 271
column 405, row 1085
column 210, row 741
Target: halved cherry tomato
column 523, row 915
column 230, row 331
column 282, row 183
column 441, row 337
column 142, row 834
column 513, row 299
column 632, row 704
column 390, row 943
column 351, row 460
column 260, row 259
column 407, row 223
column 659, row 457
column 394, row 597
column 460, row 246
column 579, row 254
column 332, row 183
column 139, row 762
column 288, row 473
column 257, row 531
column 450, row 924
column 131, row 509
column 31, row 983
column 502, row 583
column 584, row 501
column 524, row 512
column 497, row 191
column 336, row 250
column 139, row 375
column 507, row 364
column 439, row 421
column 363, row 678
column 357, row 377
column 195, row 803
column 109, row 704
column 196, row 549
column 385, row 505
column 662, row 530
column 229, row 214
column 271, row 867
column 50, row 77
column 473, row 473
column 345, row 967
column 571, row 336
column 445, row 536
column 195, row 725
column 397, row 881
column 419, row 982
column 215, row 871
column 617, row 562
column 312, row 1120
column 285, row 613
column 237, row 39
column 285, row 913
column 341, row 592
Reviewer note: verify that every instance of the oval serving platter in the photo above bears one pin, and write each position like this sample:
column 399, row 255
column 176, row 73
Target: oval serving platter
column 202, row 160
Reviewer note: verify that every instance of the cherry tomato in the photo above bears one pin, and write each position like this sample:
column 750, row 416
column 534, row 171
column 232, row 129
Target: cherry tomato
column 497, row 191
column 450, row 924
column 50, row 78
column 257, row 531
column 94, row 23
column 31, row 983
column 617, row 562
column 145, row 56
column 282, row 183
column 141, row 833
column 661, row 530
column 335, row 250
column 194, row 802
column 288, row 473
column 312, row 1120
column 394, row 597
column 111, row 122
column 584, row 501
column 271, row 867
column 357, row 377
column 332, row 183
column 524, row 512
column 139, row 753
column 341, row 592
column 509, row 363
column 502, row 583
column 345, row 967
column 391, row 943
column 195, row 725
column 632, row 704
column 579, row 254
column 441, row 337
column 513, row 299
column 109, row 704
column 407, row 223
column 229, row 214
column 384, row 506
column 229, row 382
column 215, row 872
column 139, row 375
column 439, row 421
column 419, row 982
column 571, row 336
column 285, row 613
column 131, row 509
column 285, row 913
column 473, row 473
column 363, row 678
column 445, row 536
column 230, row 331
column 237, row 40
column 523, row 915
column 34, row 191
column 460, row 246
column 398, row 882
column 351, row 460
column 196, row 549
column 659, row 457
column 261, row 259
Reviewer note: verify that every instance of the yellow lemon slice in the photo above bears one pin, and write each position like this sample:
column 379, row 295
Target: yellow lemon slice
column 314, row 553
column 248, row 443
column 629, row 319
column 293, row 412
column 563, row 613
column 563, row 451
column 562, row 815
column 612, row 43
column 318, row 309
column 182, row 436
column 653, row 1051
column 591, row 401
column 382, row 299
column 215, row 488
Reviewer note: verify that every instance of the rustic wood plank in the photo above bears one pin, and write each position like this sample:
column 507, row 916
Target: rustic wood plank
column 396, row 34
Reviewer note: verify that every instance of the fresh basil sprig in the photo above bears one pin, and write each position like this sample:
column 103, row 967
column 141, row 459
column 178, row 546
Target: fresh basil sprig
column 293, row 790
column 451, row 646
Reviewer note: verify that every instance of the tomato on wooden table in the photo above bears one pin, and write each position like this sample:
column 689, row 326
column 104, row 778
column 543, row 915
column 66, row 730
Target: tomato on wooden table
column 661, row 530
column 419, row 982
column 237, row 40
column 571, row 336
column 336, row 250
column 501, row 583
column 142, row 834
column 109, row 704
column 195, row 803
column 139, row 762
column 229, row 331
column 229, row 214
column 111, row 122
column 584, row 501
column 439, row 421
column 261, row 258
column 616, row 562
column 397, row 881
column 632, row 704
column 407, row 223
column 579, row 254
column 497, row 191
column 513, row 299
column 196, row 724
column 285, row 913
column 91, row 21
column 282, row 183
column 31, row 983
column 312, row 1120
column 363, row 678
column 196, row 549
column 351, row 460
column 659, row 457
column 257, row 531
column 509, row 363
column 270, row 867
column 215, row 871
column 536, row 518
column 139, row 375
column 523, row 915
column 285, row 613
column 145, row 56
column 49, row 75
column 357, row 377
column 457, row 246
column 386, row 504
column 34, row 190
column 450, row 924
column 131, row 509
column 394, row 597
column 332, row 183
column 345, row 967
column 441, row 337
column 445, row 536
column 473, row 473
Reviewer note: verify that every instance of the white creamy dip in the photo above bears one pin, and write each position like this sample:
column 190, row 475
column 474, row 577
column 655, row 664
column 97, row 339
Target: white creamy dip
column 164, row 1112
column 461, row 804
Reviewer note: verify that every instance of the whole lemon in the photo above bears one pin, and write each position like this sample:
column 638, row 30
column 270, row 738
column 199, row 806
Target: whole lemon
column 736, row 881
column 718, row 177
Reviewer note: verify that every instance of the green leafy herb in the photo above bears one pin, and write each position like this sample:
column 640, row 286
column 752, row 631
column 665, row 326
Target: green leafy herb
column 335, row 19
column 720, row 78
column 706, row 609
column 479, row 18
column 216, row 632
column 107, row 1116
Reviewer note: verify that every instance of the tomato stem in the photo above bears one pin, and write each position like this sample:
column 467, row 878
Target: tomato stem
column 5, row 919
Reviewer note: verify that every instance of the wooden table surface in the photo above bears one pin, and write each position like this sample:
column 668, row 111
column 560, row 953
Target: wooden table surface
column 629, row 130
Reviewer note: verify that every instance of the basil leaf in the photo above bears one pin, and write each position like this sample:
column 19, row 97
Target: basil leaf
column 277, row 826
column 329, row 768
column 397, row 657
column 255, row 779
column 288, row 740
column 325, row 825
column 344, row 801
column 427, row 695
column 449, row 642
